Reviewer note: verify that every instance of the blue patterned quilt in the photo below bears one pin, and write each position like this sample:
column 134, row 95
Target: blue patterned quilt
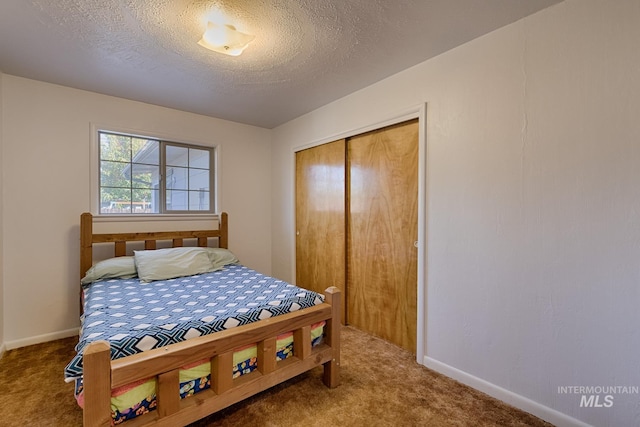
column 135, row 316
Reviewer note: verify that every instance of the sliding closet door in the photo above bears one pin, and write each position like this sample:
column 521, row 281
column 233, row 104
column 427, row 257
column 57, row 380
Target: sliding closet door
column 320, row 218
column 383, row 226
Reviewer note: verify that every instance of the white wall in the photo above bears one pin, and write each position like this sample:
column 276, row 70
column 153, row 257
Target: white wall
column 533, row 195
column 46, row 167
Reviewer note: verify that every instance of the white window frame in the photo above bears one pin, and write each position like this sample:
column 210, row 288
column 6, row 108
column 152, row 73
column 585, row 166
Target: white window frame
column 95, row 174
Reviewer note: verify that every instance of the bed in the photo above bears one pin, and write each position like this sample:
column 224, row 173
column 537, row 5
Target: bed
column 214, row 361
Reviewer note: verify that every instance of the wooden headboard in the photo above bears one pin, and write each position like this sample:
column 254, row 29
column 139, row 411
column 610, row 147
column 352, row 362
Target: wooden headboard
column 88, row 239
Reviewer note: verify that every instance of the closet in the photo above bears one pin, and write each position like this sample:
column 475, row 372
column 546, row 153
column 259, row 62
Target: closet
column 357, row 224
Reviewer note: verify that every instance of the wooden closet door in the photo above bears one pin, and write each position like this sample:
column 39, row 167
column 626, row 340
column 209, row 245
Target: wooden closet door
column 382, row 228
column 321, row 217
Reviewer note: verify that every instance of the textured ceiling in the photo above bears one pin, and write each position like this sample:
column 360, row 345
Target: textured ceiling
column 306, row 53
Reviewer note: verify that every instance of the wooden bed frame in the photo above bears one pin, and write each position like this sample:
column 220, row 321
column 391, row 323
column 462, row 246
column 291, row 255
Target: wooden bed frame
column 101, row 374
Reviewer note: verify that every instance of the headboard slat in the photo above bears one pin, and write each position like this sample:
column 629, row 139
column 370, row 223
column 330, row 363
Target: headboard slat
column 121, row 248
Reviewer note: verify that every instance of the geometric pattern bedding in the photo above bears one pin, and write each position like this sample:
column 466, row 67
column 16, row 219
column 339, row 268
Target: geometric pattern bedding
column 135, row 316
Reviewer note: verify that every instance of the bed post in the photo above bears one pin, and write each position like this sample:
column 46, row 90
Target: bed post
column 96, row 362
column 331, row 377
column 86, row 249
column 86, row 244
column 223, row 226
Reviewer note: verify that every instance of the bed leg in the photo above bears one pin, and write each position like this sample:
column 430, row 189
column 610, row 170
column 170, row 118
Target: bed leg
column 331, row 377
column 97, row 384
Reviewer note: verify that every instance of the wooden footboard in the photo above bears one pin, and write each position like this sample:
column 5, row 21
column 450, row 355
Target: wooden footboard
column 101, row 374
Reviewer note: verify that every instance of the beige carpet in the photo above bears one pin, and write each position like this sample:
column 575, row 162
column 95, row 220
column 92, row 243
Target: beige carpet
column 382, row 385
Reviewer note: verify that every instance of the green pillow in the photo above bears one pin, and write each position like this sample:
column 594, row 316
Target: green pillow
column 123, row 267
column 161, row 264
column 220, row 257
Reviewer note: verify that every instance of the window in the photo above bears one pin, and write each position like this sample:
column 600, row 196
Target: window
column 143, row 175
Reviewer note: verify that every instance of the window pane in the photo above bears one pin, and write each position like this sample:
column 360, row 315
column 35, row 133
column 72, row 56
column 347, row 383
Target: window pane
column 177, row 178
column 198, row 200
column 115, row 200
column 145, row 201
column 177, row 200
column 115, row 174
column 198, row 158
column 145, row 176
column 198, row 179
column 177, row 156
column 115, row 147
column 146, row 151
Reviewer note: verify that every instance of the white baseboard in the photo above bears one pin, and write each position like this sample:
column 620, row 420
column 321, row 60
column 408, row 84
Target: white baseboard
column 10, row 345
column 544, row 412
column 3, row 348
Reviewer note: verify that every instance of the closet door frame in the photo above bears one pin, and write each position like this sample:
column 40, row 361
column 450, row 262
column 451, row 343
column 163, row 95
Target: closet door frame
column 419, row 112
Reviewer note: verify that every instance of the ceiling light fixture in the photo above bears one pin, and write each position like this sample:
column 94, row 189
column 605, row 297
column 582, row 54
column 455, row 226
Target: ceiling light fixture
column 225, row 39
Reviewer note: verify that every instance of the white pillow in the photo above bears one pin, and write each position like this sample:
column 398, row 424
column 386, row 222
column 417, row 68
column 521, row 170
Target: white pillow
column 123, row 267
column 168, row 263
